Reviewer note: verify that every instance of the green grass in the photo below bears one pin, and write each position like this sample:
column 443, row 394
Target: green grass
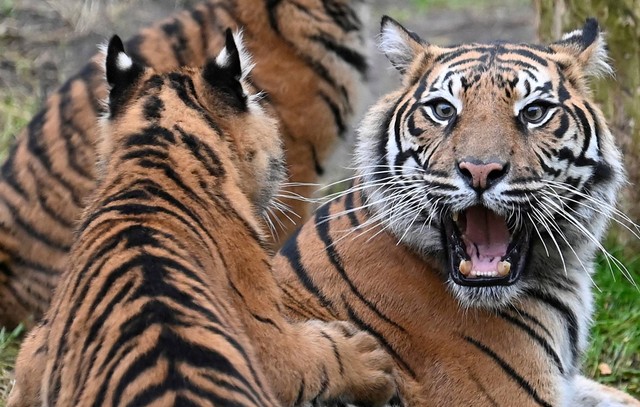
column 615, row 336
column 9, row 345
column 6, row 7
column 14, row 116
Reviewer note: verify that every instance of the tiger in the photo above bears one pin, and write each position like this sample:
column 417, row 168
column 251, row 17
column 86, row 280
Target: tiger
column 169, row 297
column 311, row 64
column 467, row 240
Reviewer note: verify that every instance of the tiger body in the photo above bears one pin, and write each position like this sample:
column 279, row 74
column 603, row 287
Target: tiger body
column 169, row 297
column 309, row 63
column 446, row 355
column 466, row 245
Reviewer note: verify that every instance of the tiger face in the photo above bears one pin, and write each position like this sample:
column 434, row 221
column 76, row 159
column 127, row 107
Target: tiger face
column 493, row 159
column 228, row 105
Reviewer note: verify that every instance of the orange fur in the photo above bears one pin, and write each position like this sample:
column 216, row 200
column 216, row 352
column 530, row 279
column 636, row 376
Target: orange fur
column 309, row 63
column 169, row 296
column 390, row 253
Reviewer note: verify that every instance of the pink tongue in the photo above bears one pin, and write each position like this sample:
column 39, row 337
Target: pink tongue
column 486, row 238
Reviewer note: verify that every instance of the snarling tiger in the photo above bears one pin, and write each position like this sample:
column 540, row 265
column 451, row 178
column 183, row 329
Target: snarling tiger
column 467, row 241
column 169, row 298
column 310, row 64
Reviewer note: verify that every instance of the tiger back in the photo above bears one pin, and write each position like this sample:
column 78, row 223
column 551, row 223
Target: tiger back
column 169, row 297
column 310, row 64
column 483, row 187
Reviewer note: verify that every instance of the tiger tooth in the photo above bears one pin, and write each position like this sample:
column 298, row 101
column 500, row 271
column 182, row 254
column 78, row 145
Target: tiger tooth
column 504, row 267
column 465, row 267
column 455, row 216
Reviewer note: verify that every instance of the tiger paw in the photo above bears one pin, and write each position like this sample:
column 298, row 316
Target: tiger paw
column 588, row 393
column 365, row 367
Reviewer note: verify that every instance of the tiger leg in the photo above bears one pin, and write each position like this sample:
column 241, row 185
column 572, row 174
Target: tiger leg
column 321, row 361
column 29, row 369
column 588, row 393
column 310, row 360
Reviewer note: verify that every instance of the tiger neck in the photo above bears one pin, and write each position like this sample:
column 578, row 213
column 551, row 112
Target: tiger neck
column 565, row 307
column 184, row 187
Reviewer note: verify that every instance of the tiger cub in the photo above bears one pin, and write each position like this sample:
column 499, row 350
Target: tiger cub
column 484, row 185
column 169, row 297
column 310, row 64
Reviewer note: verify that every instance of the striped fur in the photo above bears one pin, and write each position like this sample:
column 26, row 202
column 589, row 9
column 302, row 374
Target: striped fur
column 169, row 298
column 310, row 64
column 379, row 255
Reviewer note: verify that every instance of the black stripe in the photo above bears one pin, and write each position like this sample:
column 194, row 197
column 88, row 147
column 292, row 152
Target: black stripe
column 569, row 316
column 300, row 396
column 597, row 125
column 174, row 30
column 359, row 322
column 541, row 341
column 183, row 85
column 153, row 108
column 382, row 137
column 272, row 12
column 67, row 115
column 203, row 153
column 348, row 206
column 316, row 162
column 509, row 371
column 335, row 111
column 172, row 347
column 342, row 15
column 322, row 225
column 29, row 228
column 9, row 170
column 40, row 153
column 201, row 21
column 586, row 128
column 531, row 318
column 483, row 389
column 291, row 252
column 351, row 57
column 336, row 353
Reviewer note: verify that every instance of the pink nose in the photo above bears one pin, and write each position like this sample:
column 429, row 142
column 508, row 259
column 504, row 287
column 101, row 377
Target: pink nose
column 481, row 176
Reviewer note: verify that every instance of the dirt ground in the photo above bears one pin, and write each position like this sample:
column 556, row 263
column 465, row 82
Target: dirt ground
column 42, row 42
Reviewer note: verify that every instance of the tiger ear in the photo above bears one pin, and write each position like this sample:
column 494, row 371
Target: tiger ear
column 588, row 47
column 225, row 72
column 400, row 45
column 121, row 71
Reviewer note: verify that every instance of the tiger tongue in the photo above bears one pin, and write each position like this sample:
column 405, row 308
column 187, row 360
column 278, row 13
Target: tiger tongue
column 486, row 237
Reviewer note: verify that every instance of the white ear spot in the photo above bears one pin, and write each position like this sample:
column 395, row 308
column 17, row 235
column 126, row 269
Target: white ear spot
column 123, row 61
column 222, row 60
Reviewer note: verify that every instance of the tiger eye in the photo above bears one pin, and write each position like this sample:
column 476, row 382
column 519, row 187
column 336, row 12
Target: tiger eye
column 444, row 111
column 533, row 113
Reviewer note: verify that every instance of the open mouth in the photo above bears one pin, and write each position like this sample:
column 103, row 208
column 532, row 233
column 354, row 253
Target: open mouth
column 483, row 249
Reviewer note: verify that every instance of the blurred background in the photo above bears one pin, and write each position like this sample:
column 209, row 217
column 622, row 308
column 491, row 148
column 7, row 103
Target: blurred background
column 42, row 42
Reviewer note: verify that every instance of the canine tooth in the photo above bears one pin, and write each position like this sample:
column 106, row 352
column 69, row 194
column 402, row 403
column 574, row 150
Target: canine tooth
column 455, row 216
column 465, row 267
column 504, row 267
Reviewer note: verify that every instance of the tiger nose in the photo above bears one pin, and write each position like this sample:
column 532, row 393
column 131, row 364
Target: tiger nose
column 480, row 175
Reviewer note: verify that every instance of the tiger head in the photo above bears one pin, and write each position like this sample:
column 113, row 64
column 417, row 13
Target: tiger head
column 216, row 104
column 493, row 159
